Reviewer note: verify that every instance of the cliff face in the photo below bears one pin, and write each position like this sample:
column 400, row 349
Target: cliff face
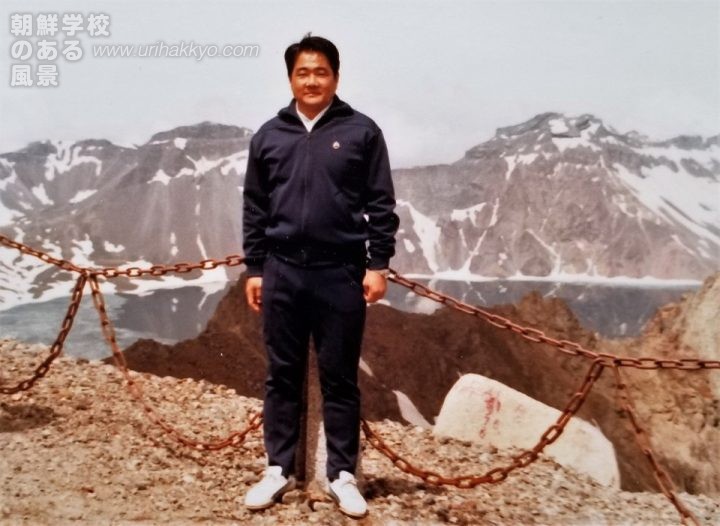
column 412, row 360
column 681, row 409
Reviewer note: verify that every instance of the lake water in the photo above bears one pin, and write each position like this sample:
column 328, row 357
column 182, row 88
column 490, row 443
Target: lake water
column 171, row 315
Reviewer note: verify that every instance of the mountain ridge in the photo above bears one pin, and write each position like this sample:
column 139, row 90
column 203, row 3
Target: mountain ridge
column 555, row 196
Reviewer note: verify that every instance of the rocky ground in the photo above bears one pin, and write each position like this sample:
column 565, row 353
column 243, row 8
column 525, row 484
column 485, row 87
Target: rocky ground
column 679, row 409
column 76, row 449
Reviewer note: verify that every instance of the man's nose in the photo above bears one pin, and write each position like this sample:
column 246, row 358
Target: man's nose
column 312, row 80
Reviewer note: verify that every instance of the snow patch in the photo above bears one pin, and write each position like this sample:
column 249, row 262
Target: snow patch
column 173, row 246
column 558, row 126
column 585, row 140
column 570, row 143
column 8, row 216
column 81, row 196
column 209, row 289
column 467, row 213
column 559, row 277
column 109, row 247
column 52, row 248
column 558, row 261
column 526, row 158
column 39, row 192
column 496, row 207
column 364, row 367
column 409, row 412
column 236, row 162
column 511, row 162
column 612, row 140
column 201, row 247
column 696, row 207
column 409, row 247
column 81, row 251
column 428, row 233
column 160, row 177
column 19, row 234
column 67, row 157
column 180, row 143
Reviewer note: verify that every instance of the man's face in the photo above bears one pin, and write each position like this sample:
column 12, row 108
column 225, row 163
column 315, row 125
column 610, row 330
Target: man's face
column 312, row 82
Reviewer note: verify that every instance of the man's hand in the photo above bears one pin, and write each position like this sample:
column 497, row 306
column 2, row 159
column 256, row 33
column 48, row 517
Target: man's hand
column 375, row 285
column 253, row 292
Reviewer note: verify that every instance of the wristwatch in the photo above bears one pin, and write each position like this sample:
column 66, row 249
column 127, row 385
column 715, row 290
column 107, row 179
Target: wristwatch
column 384, row 272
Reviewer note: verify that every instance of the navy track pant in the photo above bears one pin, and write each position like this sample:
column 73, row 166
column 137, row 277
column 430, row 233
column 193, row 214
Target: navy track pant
column 326, row 303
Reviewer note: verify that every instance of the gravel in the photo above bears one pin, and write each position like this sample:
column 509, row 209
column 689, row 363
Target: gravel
column 77, row 449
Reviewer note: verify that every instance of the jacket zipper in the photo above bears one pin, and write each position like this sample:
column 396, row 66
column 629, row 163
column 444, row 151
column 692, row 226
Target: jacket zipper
column 303, row 206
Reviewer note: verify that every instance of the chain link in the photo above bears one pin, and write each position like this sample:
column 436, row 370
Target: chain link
column 498, row 474
column 160, row 270
column 135, row 388
column 57, row 346
column 600, row 362
column 664, row 481
column 131, row 272
column 538, row 336
column 47, row 258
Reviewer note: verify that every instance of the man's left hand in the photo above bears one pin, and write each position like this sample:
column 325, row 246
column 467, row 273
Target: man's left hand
column 375, row 285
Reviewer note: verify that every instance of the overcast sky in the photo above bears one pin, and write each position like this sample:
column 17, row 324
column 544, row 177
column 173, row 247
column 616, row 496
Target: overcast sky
column 438, row 77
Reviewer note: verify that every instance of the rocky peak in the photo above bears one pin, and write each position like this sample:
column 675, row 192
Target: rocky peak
column 541, row 134
column 204, row 130
column 34, row 149
column 555, row 124
column 690, row 142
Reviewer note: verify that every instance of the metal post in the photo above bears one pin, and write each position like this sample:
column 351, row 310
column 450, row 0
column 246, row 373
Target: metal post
column 312, row 453
column 311, row 457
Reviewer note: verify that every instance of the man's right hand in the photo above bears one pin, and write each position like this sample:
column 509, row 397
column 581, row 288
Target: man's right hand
column 253, row 292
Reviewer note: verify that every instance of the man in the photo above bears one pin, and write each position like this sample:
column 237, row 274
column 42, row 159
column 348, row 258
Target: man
column 318, row 197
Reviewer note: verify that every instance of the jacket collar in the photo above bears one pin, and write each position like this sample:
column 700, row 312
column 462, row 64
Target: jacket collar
column 337, row 108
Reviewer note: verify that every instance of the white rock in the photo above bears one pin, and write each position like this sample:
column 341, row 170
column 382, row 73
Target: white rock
column 485, row 411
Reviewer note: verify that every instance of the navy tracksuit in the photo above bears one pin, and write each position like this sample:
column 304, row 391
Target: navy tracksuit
column 312, row 202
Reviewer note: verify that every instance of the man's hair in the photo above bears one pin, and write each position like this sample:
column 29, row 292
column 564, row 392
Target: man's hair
column 311, row 43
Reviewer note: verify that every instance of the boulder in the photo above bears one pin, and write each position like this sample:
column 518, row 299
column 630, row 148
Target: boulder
column 482, row 410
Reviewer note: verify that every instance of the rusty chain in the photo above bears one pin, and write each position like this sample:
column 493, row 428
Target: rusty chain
column 662, row 477
column 135, row 388
column 600, row 361
column 47, row 258
column 538, row 336
column 57, row 346
column 528, row 333
column 161, row 270
column 498, row 474
column 130, row 272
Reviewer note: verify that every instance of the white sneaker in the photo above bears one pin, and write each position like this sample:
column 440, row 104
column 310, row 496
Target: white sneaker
column 264, row 494
column 345, row 492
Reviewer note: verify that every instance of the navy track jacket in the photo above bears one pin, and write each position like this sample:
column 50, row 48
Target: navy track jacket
column 313, row 189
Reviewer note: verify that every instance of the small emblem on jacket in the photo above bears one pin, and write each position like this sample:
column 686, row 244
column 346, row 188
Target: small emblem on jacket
column 336, row 145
